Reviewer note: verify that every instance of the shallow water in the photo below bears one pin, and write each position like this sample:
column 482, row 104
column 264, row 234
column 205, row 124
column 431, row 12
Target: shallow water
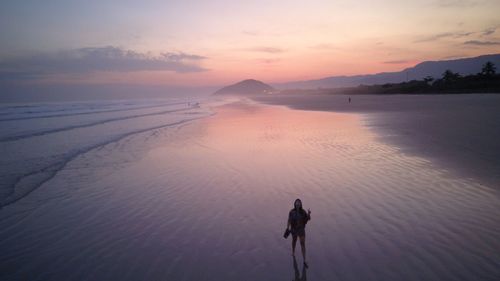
column 208, row 200
column 38, row 140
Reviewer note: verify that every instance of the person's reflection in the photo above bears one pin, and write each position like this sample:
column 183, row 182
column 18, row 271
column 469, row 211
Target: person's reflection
column 296, row 271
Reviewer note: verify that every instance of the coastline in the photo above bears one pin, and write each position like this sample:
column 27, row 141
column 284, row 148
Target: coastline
column 457, row 132
column 209, row 200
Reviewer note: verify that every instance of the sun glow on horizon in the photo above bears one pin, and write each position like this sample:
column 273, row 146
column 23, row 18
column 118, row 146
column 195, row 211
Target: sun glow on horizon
column 205, row 43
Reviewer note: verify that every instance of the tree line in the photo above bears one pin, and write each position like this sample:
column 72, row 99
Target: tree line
column 486, row 81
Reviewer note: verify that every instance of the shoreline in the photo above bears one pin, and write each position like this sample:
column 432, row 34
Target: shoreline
column 457, row 132
column 213, row 195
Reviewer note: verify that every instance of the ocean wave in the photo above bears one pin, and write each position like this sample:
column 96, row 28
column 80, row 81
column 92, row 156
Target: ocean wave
column 29, row 160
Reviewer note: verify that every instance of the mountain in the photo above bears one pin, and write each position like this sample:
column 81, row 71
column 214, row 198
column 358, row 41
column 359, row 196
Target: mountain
column 435, row 69
column 247, row 87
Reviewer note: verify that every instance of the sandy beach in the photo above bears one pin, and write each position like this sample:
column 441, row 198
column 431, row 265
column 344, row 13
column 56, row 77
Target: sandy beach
column 208, row 200
column 457, row 132
column 172, row 140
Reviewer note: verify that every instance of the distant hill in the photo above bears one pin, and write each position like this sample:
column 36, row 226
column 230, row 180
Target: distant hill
column 247, row 87
column 427, row 68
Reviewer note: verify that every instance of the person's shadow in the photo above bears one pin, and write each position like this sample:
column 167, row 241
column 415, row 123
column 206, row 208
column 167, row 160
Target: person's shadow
column 298, row 277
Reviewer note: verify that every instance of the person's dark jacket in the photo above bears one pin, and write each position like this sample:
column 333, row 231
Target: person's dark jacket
column 298, row 218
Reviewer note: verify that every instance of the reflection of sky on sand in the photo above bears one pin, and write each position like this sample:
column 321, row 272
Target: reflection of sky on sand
column 277, row 144
column 209, row 201
column 376, row 211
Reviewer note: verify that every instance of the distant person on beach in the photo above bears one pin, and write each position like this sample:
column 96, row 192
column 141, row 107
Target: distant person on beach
column 297, row 220
column 349, row 99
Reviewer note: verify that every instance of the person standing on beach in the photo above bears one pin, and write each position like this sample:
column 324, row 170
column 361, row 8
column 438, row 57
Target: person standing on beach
column 297, row 220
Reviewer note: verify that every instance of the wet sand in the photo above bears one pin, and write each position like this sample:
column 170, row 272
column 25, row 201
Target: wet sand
column 460, row 133
column 208, row 200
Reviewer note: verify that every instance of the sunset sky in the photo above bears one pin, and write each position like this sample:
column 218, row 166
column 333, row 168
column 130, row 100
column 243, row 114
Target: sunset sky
column 203, row 43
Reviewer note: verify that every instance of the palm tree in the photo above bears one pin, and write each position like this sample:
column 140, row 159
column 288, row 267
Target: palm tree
column 450, row 76
column 488, row 69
